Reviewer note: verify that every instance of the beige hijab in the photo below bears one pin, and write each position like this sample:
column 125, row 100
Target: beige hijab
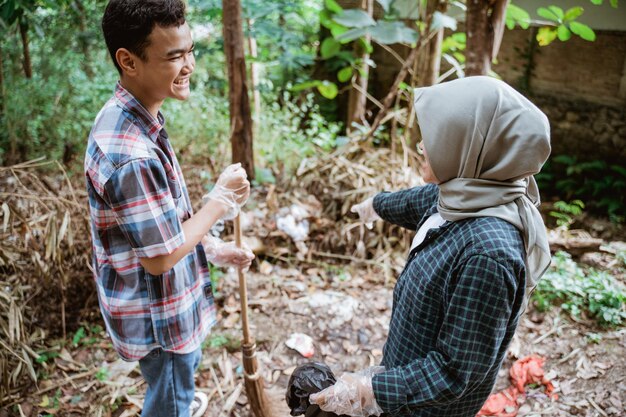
column 485, row 141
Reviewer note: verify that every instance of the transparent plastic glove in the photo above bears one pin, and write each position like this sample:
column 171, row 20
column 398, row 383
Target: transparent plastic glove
column 232, row 189
column 352, row 395
column 366, row 212
column 227, row 254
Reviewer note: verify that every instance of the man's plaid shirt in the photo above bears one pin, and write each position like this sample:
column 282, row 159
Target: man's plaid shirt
column 138, row 201
column 455, row 308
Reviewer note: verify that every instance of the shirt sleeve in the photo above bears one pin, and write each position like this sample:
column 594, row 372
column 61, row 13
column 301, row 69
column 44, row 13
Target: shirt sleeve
column 479, row 311
column 406, row 208
column 138, row 193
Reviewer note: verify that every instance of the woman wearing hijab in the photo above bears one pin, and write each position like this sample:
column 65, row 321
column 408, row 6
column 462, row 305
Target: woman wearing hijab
column 480, row 248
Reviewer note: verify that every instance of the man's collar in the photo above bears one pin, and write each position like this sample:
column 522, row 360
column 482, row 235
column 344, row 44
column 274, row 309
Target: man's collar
column 128, row 102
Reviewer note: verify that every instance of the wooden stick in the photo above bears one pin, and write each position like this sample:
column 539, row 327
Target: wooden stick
column 243, row 292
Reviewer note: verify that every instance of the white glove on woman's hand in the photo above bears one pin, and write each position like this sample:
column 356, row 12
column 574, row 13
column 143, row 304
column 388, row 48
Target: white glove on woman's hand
column 232, row 189
column 227, row 254
column 366, row 212
column 352, row 395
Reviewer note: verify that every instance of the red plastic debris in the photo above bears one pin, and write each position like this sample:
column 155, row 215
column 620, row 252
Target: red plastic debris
column 506, row 403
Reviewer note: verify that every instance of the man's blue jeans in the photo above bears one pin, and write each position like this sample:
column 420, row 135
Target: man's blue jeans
column 171, row 385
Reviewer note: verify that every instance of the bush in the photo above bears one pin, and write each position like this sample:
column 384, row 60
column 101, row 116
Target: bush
column 595, row 293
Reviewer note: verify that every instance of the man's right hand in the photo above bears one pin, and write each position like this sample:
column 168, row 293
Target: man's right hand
column 232, row 189
column 366, row 212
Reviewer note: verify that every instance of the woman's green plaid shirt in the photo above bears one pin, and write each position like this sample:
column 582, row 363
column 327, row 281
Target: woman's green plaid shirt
column 455, row 308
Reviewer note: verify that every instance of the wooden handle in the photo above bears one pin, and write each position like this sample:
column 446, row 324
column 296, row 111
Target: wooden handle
column 243, row 292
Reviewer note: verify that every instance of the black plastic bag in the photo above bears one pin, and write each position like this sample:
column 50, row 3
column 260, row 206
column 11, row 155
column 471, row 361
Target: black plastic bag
column 308, row 379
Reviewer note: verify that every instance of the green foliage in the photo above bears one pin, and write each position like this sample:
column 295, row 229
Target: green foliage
column 600, row 184
column 517, row 16
column 595, row 293
column 564, row 24
column 594, row 338
column 102, row 374
column 222, row 340
column 566, row 213
column 293, row 132
column 46, row 356
column 216, row 275
column 86, row 336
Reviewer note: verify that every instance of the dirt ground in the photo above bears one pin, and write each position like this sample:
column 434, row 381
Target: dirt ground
column 346, row 312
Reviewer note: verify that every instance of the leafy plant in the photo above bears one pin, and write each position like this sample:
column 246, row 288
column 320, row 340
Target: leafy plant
column 566, row 213
column 600, row 184
column 564, row 25
column 594, row 293
column 102, row 374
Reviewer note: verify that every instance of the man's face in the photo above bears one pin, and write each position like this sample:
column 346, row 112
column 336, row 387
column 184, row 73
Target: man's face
column 168, row 65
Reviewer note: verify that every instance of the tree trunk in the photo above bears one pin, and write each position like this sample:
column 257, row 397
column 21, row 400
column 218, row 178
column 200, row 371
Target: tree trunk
column 254, row 74
column 84, row 44
column 357, row 101
column 1, row 84
column 428, row 67
column 430, row 56
column 28, row 69
column 479, row 38
column 240, row 115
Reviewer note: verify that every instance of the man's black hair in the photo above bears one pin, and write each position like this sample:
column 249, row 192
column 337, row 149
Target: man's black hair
column 129, row 23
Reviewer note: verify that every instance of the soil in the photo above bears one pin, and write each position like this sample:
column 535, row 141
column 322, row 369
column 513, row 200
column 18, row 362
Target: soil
column 346, row 312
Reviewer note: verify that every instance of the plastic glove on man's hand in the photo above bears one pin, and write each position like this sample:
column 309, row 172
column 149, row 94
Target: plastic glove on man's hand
column 366, row 212
column 232, row 189
column 351, row 395
column 227, row 254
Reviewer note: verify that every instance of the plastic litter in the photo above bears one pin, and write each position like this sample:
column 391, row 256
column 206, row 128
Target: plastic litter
column 335, row 305
column 293, row 221
column 308, row 379
column 301, row 343
column 524, row 371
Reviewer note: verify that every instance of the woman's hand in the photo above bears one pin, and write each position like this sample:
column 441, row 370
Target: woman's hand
column 351, row 395
column 366, row 212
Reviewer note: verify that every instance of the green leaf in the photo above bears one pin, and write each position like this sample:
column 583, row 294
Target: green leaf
column 351, row 35
column 326, row 19
column 557, row 11
column 385, row 4
column 441, row 20
column 597, row 2
column 517, row 15
column 550, row 14
column 393, row 32
column 563, row 33
column 329, row 48
column 573, row 13
column 614, row 4
column 78, row 336
column 333, row 6
column 583, row 31
column 305, row 85
column 337, row 30
column 344, row 74
column 354, row 18
column 328, row 89
column 546, row 35
column 367, row 46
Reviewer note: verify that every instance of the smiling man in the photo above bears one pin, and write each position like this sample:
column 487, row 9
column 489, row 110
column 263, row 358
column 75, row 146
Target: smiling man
column 150, row 251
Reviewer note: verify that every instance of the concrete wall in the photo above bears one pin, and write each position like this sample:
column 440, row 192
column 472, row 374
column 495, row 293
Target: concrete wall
column 576, row 69
column 580, row 85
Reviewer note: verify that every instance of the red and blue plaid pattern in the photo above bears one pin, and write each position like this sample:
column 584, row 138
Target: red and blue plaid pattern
column 138, row 201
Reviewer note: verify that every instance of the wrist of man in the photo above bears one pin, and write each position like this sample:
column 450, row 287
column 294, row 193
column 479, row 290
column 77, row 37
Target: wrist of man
column 217, row 207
